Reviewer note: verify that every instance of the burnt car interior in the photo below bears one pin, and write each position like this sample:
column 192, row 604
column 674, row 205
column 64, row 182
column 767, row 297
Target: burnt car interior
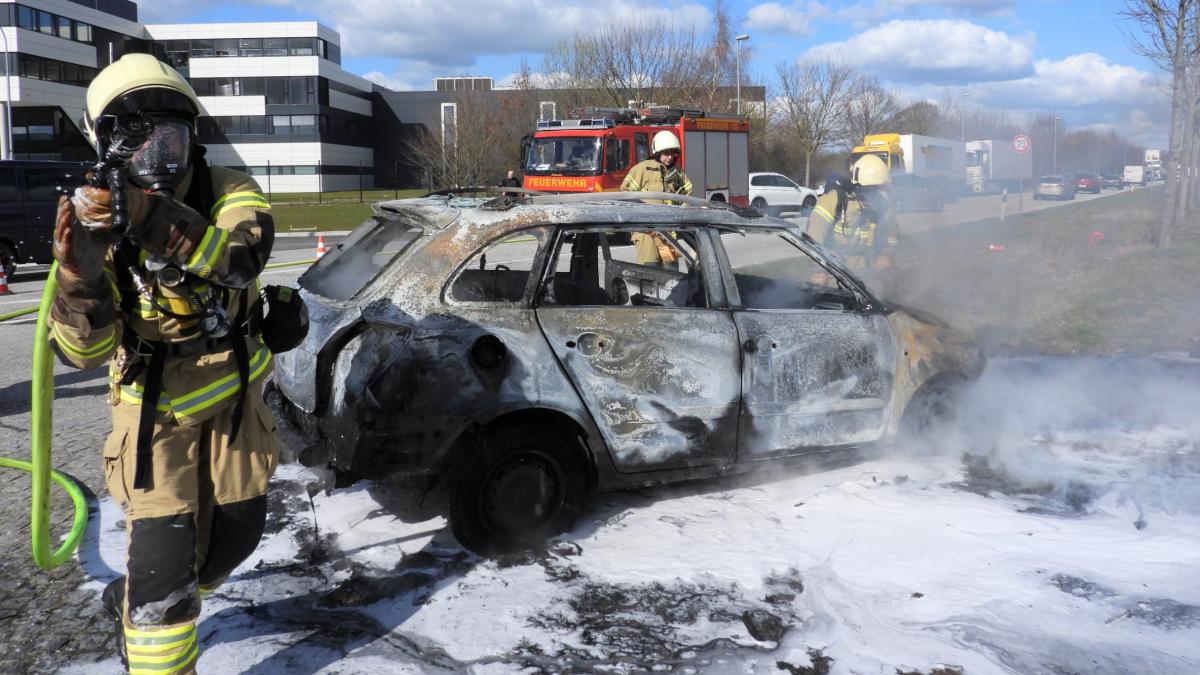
column 597, row 267
column 782, row 275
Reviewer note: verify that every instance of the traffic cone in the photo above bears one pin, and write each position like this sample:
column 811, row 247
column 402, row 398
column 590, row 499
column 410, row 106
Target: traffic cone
column 320, row 246
column 3, row 280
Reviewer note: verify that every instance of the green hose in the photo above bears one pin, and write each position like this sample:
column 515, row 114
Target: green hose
column 42, row 423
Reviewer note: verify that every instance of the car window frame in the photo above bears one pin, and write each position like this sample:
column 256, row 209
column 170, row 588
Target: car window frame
column 713, row 288
column 538, row 262
column 865, row 301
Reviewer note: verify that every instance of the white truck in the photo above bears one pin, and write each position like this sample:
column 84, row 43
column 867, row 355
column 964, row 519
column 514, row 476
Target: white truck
column 938, row 162
column 994, row 165
column 1135, row 174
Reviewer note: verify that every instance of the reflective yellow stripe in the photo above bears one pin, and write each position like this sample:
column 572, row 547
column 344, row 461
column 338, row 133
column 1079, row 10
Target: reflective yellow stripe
column 206, row 253
column 65, row 342
column 221, row 389
column 820, row 211
column 146, row 648
column 238, row 199
column 209, row 395
column 139, row 634
column 140, row 665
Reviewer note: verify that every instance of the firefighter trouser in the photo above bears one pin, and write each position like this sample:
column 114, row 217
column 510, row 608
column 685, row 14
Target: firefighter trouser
column 201, row 516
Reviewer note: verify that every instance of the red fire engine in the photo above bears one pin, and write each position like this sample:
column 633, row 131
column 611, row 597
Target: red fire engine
column 594, row 152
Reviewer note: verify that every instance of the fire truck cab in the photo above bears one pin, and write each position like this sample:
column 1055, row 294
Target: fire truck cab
column 593, row 152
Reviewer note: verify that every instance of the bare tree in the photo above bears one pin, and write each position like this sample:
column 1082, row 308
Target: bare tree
column 1168, row 37
column 476, row 141
column 871, row 108
column 813, row 97
column 640, row 61
column 922, row 118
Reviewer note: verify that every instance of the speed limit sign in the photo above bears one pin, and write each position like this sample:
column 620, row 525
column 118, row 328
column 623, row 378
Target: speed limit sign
column 1021, row 143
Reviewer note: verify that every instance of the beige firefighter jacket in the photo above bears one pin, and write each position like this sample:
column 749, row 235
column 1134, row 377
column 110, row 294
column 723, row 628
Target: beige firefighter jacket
column 227, row 248
column 650, row 175
column 856, row 232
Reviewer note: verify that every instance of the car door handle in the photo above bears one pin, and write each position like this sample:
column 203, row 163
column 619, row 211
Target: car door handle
column 589, row 344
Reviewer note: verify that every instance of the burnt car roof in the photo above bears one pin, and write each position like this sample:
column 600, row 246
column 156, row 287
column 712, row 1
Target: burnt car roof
column 438, row 212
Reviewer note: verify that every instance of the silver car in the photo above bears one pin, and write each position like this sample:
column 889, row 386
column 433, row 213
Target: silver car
column 507, row 358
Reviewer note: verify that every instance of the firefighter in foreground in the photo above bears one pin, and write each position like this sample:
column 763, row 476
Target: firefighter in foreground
column 857, row 222
column 657, row 174
column 167, row 298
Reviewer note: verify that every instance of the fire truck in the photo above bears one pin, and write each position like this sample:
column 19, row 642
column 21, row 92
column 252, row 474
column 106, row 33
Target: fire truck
column 594, row 151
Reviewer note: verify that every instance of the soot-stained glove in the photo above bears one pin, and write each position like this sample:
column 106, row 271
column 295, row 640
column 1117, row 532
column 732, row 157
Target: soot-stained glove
column 93, row 206
column 79, row 250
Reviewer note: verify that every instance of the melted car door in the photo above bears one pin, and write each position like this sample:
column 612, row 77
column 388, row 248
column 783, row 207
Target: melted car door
column 657, row 368
column 816, row 372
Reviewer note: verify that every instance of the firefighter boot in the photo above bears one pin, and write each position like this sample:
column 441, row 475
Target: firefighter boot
column 113, row 599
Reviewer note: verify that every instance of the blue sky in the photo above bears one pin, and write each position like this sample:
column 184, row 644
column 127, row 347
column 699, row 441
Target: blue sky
column 1067, row 56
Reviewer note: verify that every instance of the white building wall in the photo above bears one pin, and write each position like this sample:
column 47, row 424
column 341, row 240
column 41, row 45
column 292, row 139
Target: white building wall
column 219, row 106
column 282, row 154
column 212, row 31
column 49, row 46
column 42, row 93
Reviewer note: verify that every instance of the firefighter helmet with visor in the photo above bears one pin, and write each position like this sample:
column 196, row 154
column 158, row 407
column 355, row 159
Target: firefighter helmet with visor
column 869, row 170
column 139, row 96
column 663, row 141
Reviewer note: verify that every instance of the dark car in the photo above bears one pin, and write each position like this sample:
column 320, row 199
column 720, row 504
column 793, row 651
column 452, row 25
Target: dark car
column 505, row 359
column 1087, row 182
column 911, row 193
column 29, row 191
column 1110, row 181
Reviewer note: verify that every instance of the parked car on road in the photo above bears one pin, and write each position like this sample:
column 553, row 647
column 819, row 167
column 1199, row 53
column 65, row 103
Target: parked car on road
column 1111, row 181
column 29, row 191
column 1087, row 182
column 775, row 193
column 1054, row 187
column 507, row 359
column 912, row 193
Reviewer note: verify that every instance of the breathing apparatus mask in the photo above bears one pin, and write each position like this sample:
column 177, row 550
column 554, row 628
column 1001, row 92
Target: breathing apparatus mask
column 154, row 149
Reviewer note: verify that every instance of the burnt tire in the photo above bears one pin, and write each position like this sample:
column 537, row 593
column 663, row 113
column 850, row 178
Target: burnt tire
column 806, row 208
column 518, row 486
column 933, row 409
column 759, row 204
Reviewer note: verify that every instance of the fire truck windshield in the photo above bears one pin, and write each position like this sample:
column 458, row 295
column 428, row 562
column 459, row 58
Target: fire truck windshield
column 569, row 155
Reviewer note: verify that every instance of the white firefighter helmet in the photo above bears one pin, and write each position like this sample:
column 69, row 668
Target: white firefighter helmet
column 138, row 83
column 664, row 140
column 869, row 170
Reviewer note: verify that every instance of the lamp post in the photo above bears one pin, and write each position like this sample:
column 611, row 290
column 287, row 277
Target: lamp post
column 1055, row 145
column 962, row 118
column 738, row 57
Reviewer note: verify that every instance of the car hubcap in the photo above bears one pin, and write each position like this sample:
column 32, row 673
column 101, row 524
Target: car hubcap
column 523, row 491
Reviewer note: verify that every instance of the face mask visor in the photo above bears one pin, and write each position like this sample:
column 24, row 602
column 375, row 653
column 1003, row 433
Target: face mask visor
column 162, row 160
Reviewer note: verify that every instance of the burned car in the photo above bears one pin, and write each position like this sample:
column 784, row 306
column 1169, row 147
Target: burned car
column 513, row 356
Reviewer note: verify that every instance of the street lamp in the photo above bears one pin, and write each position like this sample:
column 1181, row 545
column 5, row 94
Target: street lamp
column 1055, row 145
column 738, row 56
column 962, row 118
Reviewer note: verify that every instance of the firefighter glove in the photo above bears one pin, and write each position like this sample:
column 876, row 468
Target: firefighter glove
column 93, row 206
column 79, row 250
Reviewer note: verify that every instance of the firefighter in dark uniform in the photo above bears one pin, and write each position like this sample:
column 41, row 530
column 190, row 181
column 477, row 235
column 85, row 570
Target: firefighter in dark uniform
column 166, row 302
column 858, row 223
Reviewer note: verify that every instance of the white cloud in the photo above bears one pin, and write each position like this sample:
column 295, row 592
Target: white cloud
column 934, row 51
column 799, row 18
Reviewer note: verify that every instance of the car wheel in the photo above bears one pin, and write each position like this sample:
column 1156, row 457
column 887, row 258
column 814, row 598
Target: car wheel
column 519, row 486
column 9, row 258
column 932, row 409
column 810, row 202
column 759, row 204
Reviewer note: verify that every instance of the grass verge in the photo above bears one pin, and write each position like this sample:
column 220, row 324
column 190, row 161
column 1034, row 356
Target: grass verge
column 1057, row 288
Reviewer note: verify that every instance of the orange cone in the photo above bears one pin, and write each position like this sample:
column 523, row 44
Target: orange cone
column 3, row 280
column 320, row 246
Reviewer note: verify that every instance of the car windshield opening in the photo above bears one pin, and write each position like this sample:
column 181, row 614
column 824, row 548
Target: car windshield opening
column 571, row 155
column 347, row 269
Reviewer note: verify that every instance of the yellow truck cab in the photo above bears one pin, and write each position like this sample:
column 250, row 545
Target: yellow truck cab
column 885, row 146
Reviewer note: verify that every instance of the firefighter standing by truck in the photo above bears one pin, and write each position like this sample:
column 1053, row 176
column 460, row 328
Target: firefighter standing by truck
column 857, row 221
column 169, row 298
column 658, row 173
